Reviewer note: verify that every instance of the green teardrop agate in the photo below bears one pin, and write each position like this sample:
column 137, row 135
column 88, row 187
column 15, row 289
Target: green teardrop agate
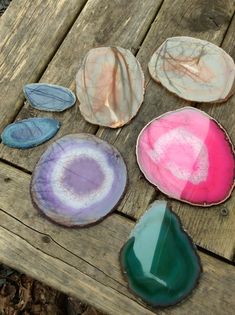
column 159, row 259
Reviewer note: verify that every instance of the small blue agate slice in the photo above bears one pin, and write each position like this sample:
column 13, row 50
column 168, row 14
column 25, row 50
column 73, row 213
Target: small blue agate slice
column 28, row 133
column 49, row 97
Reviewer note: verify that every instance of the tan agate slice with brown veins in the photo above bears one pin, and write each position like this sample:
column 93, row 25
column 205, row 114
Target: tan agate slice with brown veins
column 194, row 69
column 110, row 86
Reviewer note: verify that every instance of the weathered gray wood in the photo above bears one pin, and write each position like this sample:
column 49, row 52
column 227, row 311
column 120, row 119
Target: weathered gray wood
column 215, row 227
column 84, row 262
column 30, row 33
column 100, row 23
column 208, row 227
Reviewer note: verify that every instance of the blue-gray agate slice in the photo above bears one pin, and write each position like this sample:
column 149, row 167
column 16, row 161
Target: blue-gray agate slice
column 28, row 133
column 49, row 97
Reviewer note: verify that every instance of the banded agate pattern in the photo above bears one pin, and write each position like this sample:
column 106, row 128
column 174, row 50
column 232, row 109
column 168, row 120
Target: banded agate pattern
column 49, row 97
column 188, row 156
column 110, row 86
column 159, row 260
column 78, row 180
column 194, row 69
column 29, row 133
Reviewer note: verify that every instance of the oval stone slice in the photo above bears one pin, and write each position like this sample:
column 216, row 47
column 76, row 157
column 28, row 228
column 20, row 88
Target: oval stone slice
column 194, row 69
column 30, row 132
column 188, row 156
column 78, row 180
column 159, row 260
column 49, row 97
column 110, row 86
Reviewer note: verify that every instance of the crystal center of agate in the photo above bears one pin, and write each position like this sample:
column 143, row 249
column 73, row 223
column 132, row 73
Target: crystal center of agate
column 192, row 166
column 79, row 175
column 82, row 179
column 78, row 180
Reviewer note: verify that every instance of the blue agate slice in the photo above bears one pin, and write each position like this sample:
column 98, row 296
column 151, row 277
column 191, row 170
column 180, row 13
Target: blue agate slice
column 48, row 97
column 30, row 132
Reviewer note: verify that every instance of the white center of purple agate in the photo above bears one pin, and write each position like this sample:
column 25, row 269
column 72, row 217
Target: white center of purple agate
column 82, row 177
column 184, row 155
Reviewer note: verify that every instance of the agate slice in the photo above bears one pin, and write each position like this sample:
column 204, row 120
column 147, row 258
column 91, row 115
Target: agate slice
column 78, row 180
column 49, row 97
column 30, row 132
column 188, row 156
column 110, row 86
column 194, row 69
column 159, row 259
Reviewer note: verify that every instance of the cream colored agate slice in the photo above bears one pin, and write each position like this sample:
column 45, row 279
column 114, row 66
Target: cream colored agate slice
column 110, row 86
column 194, row 69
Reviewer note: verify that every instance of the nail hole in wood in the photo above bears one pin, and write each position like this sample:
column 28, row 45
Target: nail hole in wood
column 224, row 211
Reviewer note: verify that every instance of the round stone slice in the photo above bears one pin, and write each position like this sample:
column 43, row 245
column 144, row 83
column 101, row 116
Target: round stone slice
column 188, row 156
column 194, row 69
column 110, row 86
column 78, row 180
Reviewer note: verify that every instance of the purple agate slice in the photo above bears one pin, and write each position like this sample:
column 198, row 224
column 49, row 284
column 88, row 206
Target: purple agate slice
column 78, row 180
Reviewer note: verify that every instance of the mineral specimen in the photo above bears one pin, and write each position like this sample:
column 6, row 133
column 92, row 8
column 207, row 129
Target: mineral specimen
column 49, row 97
column 194, row 69
column 159, row 260
column 30, row 132
column 110, row 86
column 188, row 156
column 78, row 180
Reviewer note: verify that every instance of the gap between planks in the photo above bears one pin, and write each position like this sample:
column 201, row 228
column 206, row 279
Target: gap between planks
column 90, row 253
column 208, row 228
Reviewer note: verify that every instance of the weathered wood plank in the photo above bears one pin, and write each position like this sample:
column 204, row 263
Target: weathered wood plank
column 63, row 276
column 30, row 33
column 84, row 262
column 215, row 227
column 208, row 227
column 100, row 23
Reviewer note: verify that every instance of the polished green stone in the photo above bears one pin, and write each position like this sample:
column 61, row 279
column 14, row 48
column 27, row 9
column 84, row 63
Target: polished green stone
column 159, row 259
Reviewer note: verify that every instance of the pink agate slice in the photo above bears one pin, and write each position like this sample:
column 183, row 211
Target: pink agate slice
column 188, row 156
column 110, row 86
column 194, row 69
column 78, row 180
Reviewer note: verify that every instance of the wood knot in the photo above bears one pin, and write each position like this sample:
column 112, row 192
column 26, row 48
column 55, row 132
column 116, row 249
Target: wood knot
column 224, row 211
column 46, row 239
column 7, row 179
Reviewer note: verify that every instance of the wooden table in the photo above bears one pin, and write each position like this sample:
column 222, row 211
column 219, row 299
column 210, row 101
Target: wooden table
column 45, row 40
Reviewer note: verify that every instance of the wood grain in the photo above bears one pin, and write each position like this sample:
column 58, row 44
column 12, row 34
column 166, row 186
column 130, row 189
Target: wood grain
column 101, row 23
column 208, row 227
column 84, row 262
column 215, row 226
column 29, row 38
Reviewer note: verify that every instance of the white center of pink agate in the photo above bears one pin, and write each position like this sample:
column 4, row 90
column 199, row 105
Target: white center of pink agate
column 90, row 181
column 183, row 154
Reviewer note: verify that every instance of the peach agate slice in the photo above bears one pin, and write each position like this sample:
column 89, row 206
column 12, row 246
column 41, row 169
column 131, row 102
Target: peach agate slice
column 110, row 86
column 193, row 69
column 187, row 155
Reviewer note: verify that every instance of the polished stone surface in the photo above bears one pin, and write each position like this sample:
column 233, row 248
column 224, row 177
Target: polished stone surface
column 28, row 133
column 78, row 180
column 188, row 156
column 49, row 97
column 159, row 260
column 110, row 86
column 194, row 69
